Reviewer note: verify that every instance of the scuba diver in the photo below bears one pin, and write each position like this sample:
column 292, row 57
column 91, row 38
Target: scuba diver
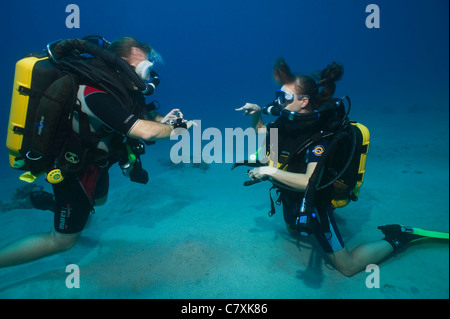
column 101, row 97
column 298, row 105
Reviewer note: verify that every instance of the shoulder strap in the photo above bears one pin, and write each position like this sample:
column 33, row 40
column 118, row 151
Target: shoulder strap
column 310, row 141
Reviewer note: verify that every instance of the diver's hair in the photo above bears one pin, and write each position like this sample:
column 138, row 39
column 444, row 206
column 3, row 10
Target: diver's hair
column 327, row 78
column 306, row 85
column 282, row 73
column 122, row 46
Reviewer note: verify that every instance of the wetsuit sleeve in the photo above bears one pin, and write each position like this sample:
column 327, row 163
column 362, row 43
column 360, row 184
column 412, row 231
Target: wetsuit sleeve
column 316, row 150
column 108, row 110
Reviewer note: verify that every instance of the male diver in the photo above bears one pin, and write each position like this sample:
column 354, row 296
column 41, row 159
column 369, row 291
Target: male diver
column 301, row 95
column 76, row 195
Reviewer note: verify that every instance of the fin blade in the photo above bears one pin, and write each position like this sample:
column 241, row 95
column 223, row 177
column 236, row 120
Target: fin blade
column 429, row 233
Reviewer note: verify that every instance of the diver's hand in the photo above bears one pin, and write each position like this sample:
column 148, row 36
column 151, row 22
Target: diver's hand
column 172, row 115
column 180, row 130
column 261, row 172
column 249, row 108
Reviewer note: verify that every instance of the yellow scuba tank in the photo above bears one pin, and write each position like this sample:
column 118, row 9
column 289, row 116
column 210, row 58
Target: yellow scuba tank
column 33, row 74
column 19, row 108
column 362, row 162
column 358, row 169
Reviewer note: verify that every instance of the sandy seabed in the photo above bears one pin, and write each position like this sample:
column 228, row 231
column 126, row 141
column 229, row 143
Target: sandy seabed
column 196, row 232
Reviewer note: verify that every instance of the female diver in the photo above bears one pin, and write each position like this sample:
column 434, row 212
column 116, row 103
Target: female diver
column 300, row 94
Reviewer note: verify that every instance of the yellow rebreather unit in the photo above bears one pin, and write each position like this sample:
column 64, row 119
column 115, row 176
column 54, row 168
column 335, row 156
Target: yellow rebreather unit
column 18, row 116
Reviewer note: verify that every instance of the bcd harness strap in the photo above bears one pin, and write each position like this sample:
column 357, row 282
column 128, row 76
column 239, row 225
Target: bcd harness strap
column 316, row 177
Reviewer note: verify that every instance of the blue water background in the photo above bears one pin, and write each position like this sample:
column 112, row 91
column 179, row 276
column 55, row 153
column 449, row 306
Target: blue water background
column 218, row 54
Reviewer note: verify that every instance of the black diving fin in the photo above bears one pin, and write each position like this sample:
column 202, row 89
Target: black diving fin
column 398, row 235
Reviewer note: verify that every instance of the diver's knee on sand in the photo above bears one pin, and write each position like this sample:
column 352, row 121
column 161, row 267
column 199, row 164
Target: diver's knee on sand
column 63, row 242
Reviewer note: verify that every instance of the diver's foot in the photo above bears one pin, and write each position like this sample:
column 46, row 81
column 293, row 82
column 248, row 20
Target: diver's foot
column 42, row 200
column 398, row 235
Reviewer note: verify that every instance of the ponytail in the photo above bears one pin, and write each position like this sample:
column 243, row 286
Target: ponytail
column 282, row 73
column 328, row 76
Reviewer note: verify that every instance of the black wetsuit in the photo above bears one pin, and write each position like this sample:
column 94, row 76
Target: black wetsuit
column 75, row 196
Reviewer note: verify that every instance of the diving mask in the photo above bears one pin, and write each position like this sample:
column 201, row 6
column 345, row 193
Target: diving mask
column 143, row 69
column 282, row 98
